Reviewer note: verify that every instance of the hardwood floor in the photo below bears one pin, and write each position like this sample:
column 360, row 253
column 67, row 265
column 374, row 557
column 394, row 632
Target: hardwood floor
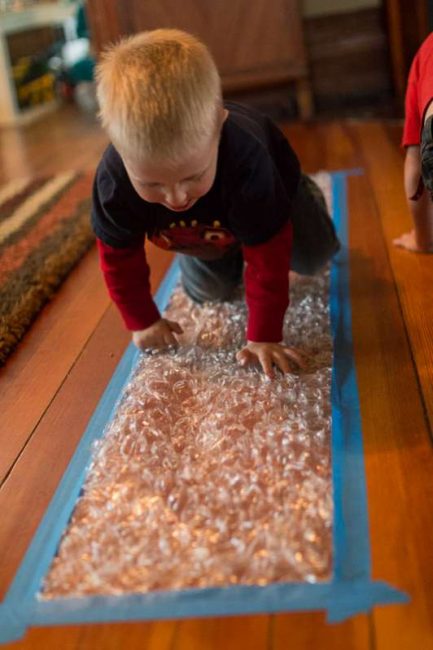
column 51, row 385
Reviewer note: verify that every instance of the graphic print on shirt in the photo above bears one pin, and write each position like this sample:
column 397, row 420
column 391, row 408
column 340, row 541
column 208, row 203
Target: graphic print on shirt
column 194, row 238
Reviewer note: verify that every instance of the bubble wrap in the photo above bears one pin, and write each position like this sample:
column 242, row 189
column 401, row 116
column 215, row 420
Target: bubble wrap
column 210, row 474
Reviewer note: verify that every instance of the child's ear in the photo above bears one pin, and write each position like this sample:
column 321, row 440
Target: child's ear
column 224, row 116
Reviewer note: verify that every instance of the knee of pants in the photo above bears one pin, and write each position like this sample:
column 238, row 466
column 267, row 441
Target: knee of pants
column 212, row 280
column 310, row 263
column 212, row 291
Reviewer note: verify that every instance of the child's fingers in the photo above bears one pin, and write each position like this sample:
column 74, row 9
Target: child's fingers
column 266, row 362
column 170, row 339
column 175, row 327
column 280, row 356
column 244, row 357
column 296, row 356
column 281, row 360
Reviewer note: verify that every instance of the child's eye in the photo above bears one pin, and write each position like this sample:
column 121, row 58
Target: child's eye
column 194, row 179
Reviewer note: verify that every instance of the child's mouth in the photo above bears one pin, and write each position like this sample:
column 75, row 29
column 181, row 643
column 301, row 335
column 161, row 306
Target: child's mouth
column 182, row 207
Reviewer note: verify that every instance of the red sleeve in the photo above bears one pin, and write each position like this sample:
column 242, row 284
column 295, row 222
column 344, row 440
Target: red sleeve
column 419, row 92
column 267, row 286
column 126, row 275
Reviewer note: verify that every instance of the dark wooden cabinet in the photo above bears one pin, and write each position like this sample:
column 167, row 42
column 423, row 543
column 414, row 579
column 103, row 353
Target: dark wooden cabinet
column 408, row 25
column 254, row 44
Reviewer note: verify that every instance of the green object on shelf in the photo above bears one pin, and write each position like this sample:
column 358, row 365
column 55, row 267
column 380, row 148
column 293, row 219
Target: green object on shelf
column 82, row 70
column 81, row 18
column 34, row 82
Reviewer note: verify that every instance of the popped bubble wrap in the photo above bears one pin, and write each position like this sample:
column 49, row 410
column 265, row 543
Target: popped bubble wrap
column 210, row 474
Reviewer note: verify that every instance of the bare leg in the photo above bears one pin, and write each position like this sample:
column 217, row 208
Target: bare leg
column 429, row 111
column 421, row 209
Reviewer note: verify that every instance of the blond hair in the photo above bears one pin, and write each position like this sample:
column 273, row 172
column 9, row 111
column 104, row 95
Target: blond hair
column 159, row 94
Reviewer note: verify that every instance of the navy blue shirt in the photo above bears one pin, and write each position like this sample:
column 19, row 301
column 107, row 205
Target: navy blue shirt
column 249, row 202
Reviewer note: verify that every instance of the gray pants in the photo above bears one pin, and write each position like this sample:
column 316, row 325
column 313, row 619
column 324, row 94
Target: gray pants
column 314, row 243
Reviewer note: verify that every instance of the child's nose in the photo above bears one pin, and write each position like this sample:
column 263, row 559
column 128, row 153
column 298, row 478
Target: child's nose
column 176, row 196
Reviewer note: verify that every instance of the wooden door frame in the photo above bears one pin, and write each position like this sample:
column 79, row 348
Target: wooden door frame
column 407, row 28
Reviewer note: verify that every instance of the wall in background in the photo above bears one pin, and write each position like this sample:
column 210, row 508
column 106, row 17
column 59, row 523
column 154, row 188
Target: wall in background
column 321, row 8
column 349, row 60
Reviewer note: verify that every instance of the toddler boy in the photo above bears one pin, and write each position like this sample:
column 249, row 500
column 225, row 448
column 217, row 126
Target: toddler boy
column 216, row 182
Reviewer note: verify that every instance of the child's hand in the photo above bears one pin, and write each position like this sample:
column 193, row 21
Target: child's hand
column 409, row 241
column 270, row 354
column 158, row 335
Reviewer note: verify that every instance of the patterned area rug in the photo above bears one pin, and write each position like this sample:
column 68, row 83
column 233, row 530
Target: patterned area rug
column 44, row 231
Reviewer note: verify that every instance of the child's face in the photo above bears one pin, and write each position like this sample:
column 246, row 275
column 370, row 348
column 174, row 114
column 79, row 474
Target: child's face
column 179, row 185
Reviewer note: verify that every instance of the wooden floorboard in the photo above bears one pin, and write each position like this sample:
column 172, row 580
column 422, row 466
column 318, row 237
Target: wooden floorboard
column 63, row 141
column 323, row 146
column 396, row 439
column 31, row 377
column 250, row 632
column 29, row 486
column 398, row 446
column 113, row 636
column 307, row 630
column 413, row 273
column 50, row 387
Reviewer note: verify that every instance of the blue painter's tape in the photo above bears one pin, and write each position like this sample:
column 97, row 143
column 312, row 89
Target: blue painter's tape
column 352, row 567
column 12, row 628
column 352, row 554
column 351, row 589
